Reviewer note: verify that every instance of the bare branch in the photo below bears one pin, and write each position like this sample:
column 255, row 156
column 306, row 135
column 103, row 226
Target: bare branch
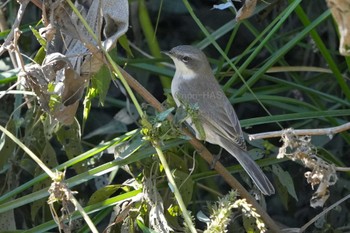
column 325, row 131
column 9, row 38
column 342, row 169
column 314, row 219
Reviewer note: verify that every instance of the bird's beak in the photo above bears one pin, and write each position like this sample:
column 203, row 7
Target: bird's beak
column 166, row 53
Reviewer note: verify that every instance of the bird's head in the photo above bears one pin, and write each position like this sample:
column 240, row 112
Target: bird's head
column 189, row 60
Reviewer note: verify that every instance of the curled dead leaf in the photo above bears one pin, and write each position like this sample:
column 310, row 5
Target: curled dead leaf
column 57, row 86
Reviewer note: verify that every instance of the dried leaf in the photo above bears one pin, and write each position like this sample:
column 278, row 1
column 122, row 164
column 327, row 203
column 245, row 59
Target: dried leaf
column 65, row 114
column 247, row 10
column 285, row 179
column 73, row 55
column 38, row 36
column 57, row 86
column 157, row 220
column 341, row 12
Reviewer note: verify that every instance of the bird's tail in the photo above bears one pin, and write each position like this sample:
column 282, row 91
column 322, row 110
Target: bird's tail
column 253, row 170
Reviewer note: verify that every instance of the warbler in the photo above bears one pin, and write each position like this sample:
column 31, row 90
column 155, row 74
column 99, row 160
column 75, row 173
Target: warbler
column 194, row 84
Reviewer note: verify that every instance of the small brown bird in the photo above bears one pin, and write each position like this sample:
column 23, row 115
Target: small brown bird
column 195, row 84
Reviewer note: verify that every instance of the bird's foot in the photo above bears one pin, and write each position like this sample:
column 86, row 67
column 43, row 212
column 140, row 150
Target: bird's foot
column 216, row 158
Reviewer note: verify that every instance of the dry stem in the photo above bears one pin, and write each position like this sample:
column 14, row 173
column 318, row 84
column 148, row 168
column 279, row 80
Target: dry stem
column 325, row 131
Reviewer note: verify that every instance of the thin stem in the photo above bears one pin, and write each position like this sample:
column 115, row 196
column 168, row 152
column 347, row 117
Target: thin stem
column 324, row 131
column 9, row 38
column 83, row 214
column 176, row 191
column 28, row 151
column 314, row 219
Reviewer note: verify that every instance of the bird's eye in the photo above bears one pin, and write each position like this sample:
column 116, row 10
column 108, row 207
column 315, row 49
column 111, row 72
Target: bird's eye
column 185, row 59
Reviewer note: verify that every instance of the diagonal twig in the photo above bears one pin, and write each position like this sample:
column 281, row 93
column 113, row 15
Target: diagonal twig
column 15, row 26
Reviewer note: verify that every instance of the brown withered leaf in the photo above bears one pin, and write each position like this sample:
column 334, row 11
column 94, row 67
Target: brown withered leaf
column 57, row 86
column 246, row 10
column 73, row 55
column 341, row 12
column 65, row 114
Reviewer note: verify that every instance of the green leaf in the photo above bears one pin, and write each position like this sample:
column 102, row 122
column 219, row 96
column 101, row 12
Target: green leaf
column 8, row 76
column 163, row 115
column 103, row 194
column 144, row 229
column 285, row 179
column 37, row 35
column 90, row 94
column 124, row 42
column 40, row 55
column 294, row 116
column 199, row 127
column 122, row 153
column 184, row 181
column 101, row 82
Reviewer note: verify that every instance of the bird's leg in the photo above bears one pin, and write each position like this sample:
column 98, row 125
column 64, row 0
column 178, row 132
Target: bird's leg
column 216, row 159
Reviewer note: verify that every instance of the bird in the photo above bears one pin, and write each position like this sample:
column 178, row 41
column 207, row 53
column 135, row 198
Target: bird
column 194, row 84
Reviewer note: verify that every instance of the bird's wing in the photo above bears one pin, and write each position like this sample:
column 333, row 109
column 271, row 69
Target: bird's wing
column 215, row 110
column 224, row 121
